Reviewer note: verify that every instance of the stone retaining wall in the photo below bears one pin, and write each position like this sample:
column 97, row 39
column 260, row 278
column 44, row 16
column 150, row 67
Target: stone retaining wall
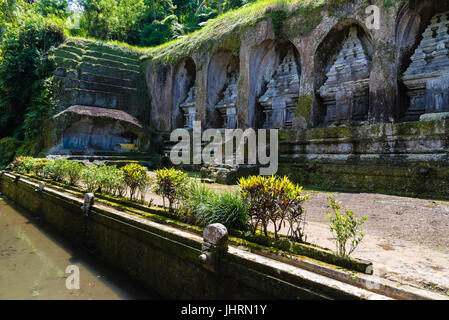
column 166, row 259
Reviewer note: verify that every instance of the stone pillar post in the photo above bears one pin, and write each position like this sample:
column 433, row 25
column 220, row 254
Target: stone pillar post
column 88, row 203
column 215, row 246
column 384, row 75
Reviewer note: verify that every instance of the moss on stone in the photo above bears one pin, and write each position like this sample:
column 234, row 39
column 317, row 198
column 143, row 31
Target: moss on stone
column 304, row 106
column 304, row 20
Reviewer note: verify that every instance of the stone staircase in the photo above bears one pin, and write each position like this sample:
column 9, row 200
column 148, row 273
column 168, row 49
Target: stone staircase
column 101, row 75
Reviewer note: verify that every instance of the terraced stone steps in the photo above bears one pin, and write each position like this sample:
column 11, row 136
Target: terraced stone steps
column 108, row 71
column 113, row 50
column 106, row 87
column 66, row 64
column 91, row 73
column 108, row 56
column 67, row 55
column 100, row 99
column 79, row 51
column 111, row 63
column 122, row 82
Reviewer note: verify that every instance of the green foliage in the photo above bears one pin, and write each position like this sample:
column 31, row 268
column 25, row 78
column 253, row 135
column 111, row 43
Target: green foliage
column 345, row 227
column 111, row 19
column 56, row 170
column 73, row 171
column 103, row 178
column 39, row 165
column 304, row 106
column 276, row 200
column 159, row 32
column 43, row 103
column 26, row 97
column 230, row 210
column 278, row 15
column 134, row 176
column 219, row 30
column 172, row 185
column 24, row 70
column 208, row 206
column 92, row 177
column 52, row 7
column 8, row 148
column 393, row 3
column 23, row 164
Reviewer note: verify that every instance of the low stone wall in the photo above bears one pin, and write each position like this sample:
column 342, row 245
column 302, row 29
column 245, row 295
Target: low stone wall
column 408, row 159
column 166, row 259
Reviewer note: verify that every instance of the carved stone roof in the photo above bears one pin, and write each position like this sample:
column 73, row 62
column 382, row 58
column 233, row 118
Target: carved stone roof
column 190, row 101
column 230, row 93
column 431, row 58
column 285, row 81
column 352, row 63
column 89, row 111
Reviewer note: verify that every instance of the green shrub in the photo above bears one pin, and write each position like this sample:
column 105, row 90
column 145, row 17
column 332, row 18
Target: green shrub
column 38, row 167
column 23, row 164
column 345, row 228
column 56, row 170
column 276, row 200
column 25, row 72
column 231, row 211
column 197, row 204
column 8, row 148
column 112, row 181
column 208, row 206
column 145, row 184
column 135, row 175
column 73, row 171
column 90, row 177
column 172, row 185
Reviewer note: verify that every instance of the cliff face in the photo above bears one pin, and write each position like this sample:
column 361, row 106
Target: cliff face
column 99, row 75
column 108, row 80
column 348, row 74
column 358, row 108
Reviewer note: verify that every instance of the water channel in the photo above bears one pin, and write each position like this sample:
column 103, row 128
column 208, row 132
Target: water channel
column 33, row 262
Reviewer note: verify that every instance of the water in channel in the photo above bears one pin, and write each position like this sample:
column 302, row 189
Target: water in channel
column 33, row 262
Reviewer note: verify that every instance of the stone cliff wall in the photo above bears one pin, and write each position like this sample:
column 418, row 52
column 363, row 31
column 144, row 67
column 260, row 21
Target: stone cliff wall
column 101, row 75
column 320, row 36
column 94, row 76
column 358, row 108
column 310, row 66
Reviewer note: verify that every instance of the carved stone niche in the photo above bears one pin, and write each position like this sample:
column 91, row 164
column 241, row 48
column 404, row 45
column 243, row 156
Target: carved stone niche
column 280, row 99
column 427, row 77
column 346, row 91
column 227, row 106
column 188, row 107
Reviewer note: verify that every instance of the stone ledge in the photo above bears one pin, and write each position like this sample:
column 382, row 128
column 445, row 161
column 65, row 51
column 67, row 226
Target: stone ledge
column 121, row 238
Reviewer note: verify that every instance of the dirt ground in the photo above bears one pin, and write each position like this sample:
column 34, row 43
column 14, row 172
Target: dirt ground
column 407, row 239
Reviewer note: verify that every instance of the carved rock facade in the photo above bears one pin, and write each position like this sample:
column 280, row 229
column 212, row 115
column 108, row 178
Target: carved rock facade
column 280, row 99
column 228, row 105
column 346, row 91
column 427, row 77
column 188, row 107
